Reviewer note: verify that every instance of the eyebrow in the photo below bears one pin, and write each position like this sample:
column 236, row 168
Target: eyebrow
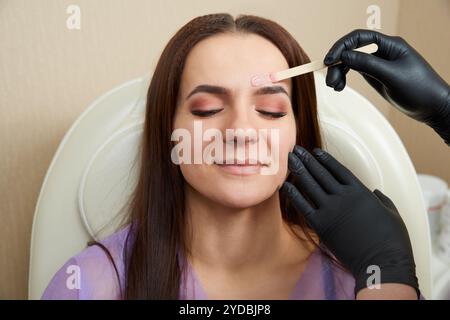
column 224, row 91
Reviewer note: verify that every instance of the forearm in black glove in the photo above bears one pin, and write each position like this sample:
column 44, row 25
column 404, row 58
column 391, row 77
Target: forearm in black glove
column 398, row 72
column 361, row 228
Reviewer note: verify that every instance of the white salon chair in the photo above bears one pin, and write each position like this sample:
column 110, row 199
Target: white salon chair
column 92, row 174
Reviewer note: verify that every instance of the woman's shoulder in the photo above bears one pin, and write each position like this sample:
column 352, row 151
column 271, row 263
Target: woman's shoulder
column 114, row 244
column 324, row 279
column 339, row 282
column 97, row 272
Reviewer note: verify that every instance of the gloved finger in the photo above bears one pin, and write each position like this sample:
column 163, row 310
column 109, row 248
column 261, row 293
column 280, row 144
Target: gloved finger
column 317, row 170
column 305, row 181
column 353, row 40
column 298, row 201
column 369, row 64
column 339, row 171
column 377, row 85
column 336, row 74
column 386, row 200
column 340, row 86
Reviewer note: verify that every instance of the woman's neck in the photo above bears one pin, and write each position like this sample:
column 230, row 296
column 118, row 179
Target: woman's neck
column 240, row 239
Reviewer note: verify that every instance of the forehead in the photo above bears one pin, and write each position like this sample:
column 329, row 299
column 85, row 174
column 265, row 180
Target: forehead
column 231, row 60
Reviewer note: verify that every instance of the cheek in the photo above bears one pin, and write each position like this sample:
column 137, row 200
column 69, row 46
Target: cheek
column 287, row 140
column 196, row 172
column 291, row 134
column 288, row 134
column 192, row 173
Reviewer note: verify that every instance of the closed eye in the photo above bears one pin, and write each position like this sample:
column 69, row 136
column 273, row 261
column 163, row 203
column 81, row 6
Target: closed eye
column 272, row 114
column 205, row 113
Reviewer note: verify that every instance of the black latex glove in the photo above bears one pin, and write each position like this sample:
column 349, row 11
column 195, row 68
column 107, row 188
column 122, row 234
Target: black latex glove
column 361, row 228
column 398, row 72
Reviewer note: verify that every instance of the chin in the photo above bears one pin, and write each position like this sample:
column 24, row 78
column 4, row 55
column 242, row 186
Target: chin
column 240, row 202
column 232, row 190
column 241, row 194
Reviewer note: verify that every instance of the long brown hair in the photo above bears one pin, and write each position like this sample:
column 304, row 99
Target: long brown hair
column 157, row 208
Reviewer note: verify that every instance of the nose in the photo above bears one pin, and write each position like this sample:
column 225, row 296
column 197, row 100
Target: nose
column 239, row 126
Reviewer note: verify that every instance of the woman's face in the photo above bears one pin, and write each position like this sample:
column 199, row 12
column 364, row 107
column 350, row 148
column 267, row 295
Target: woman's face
column 216, row 98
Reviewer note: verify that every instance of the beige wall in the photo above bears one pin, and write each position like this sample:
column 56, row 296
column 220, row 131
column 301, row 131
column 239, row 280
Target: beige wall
column 426, row 25
column 49, row 74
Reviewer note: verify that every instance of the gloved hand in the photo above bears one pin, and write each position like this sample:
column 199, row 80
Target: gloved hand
column 359, row 227
column 398, row 72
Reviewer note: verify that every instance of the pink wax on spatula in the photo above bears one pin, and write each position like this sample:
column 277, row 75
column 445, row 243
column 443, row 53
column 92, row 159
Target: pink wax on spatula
column 268, row 78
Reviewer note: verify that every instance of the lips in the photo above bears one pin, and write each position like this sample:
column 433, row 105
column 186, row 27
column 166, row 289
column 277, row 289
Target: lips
column 243, row 168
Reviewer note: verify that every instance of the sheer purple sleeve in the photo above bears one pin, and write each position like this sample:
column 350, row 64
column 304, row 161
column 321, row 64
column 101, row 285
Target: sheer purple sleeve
column 91, row 274
column 60, row 287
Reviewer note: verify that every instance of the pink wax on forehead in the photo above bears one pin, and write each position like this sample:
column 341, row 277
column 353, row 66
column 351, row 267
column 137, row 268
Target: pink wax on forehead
column 262, row 79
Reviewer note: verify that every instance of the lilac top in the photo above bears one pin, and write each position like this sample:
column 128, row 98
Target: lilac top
column 91, row 275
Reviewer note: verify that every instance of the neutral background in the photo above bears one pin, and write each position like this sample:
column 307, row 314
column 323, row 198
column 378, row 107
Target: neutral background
column 49, row 75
